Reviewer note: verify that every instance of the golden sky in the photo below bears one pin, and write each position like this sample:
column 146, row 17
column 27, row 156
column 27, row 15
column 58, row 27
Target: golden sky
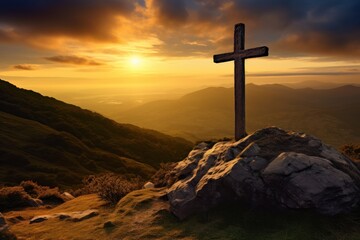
column 157, row 45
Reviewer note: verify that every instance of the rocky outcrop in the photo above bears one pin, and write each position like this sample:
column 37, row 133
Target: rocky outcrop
column 271, row 167
column 73, row 216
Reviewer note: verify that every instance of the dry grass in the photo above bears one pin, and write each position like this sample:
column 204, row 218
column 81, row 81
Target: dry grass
column 143, row 214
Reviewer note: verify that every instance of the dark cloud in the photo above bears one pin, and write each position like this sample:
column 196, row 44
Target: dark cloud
column 27, row 67
column 170, row 12
column 74, row 18
column 71, row 59
column 288, row 27
column 6, row 36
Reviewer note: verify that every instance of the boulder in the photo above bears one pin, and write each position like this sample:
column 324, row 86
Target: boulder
column 270, row 168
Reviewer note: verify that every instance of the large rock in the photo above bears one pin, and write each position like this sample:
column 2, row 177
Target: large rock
column 271, row 167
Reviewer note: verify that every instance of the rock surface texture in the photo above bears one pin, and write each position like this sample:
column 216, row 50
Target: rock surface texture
column 270, row 167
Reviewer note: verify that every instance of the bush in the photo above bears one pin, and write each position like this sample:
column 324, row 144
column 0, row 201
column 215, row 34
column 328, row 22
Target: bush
column 14, row 197
column 352, row 151
column 164, row 176
column 25, row 195
column 31, row 188
column 7, row 235
column 46, row 194
column 110, row 187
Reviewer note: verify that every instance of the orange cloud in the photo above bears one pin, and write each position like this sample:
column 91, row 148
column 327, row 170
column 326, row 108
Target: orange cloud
column 72, row 59
column 25, row 67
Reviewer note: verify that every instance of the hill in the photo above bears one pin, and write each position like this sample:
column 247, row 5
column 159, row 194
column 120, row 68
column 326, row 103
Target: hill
column 55, row 143
column 330, row 114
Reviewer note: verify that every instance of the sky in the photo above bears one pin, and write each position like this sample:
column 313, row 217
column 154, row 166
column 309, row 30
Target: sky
column 167, row 45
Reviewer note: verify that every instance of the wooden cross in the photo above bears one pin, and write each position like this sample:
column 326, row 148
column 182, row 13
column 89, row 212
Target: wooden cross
column 239, row 55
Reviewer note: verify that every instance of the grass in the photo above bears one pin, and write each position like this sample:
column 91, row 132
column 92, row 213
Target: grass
column 144, row 214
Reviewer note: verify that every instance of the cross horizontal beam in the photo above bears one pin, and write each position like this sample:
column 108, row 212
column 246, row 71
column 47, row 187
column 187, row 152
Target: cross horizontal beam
column 243, row 54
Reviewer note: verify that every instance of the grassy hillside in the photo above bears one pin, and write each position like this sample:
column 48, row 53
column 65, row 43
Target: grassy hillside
column 331, row 114
column 55, row 143
column 143, row 215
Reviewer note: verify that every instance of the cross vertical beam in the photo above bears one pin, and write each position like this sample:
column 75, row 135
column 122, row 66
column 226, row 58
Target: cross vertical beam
column 238, row 56
column 239, row 88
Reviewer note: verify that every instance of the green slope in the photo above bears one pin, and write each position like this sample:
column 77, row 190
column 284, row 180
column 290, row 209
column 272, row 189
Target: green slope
column 57, row 143
column 331, row 114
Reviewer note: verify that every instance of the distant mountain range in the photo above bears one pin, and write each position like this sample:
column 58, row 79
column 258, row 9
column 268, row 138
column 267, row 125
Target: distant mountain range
column 57, row 144
column 318, row 84
column 330, row 114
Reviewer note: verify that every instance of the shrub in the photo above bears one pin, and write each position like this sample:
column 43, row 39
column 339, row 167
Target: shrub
column 352, row 151
column 7, row 235
column 46, row 194
column 51, row 196
column 14, row 197
column 31, row 188
column 164, row 176
column 110, row 187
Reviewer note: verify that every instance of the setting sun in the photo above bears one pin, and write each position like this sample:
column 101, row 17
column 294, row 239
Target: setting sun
column 135, row 61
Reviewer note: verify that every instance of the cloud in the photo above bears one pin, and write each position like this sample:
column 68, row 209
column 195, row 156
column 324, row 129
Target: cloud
column 170, row 12
column 288, row 27
column 91, row 19
column 27, row 67
column 72, row 59
column 329, row 28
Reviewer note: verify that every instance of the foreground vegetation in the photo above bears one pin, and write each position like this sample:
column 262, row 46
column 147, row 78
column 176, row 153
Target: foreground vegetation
column 26, row 193
column 144, row 214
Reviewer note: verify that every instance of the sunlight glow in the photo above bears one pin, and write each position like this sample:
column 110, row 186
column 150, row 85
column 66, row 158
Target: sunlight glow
column 135, row 61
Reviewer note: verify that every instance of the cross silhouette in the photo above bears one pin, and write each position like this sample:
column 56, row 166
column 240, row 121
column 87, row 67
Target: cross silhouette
column 239, row 55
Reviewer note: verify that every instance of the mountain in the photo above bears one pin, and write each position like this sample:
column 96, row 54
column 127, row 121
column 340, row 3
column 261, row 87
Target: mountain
column 317, row 84
column 330, row 114
column 55, row 143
